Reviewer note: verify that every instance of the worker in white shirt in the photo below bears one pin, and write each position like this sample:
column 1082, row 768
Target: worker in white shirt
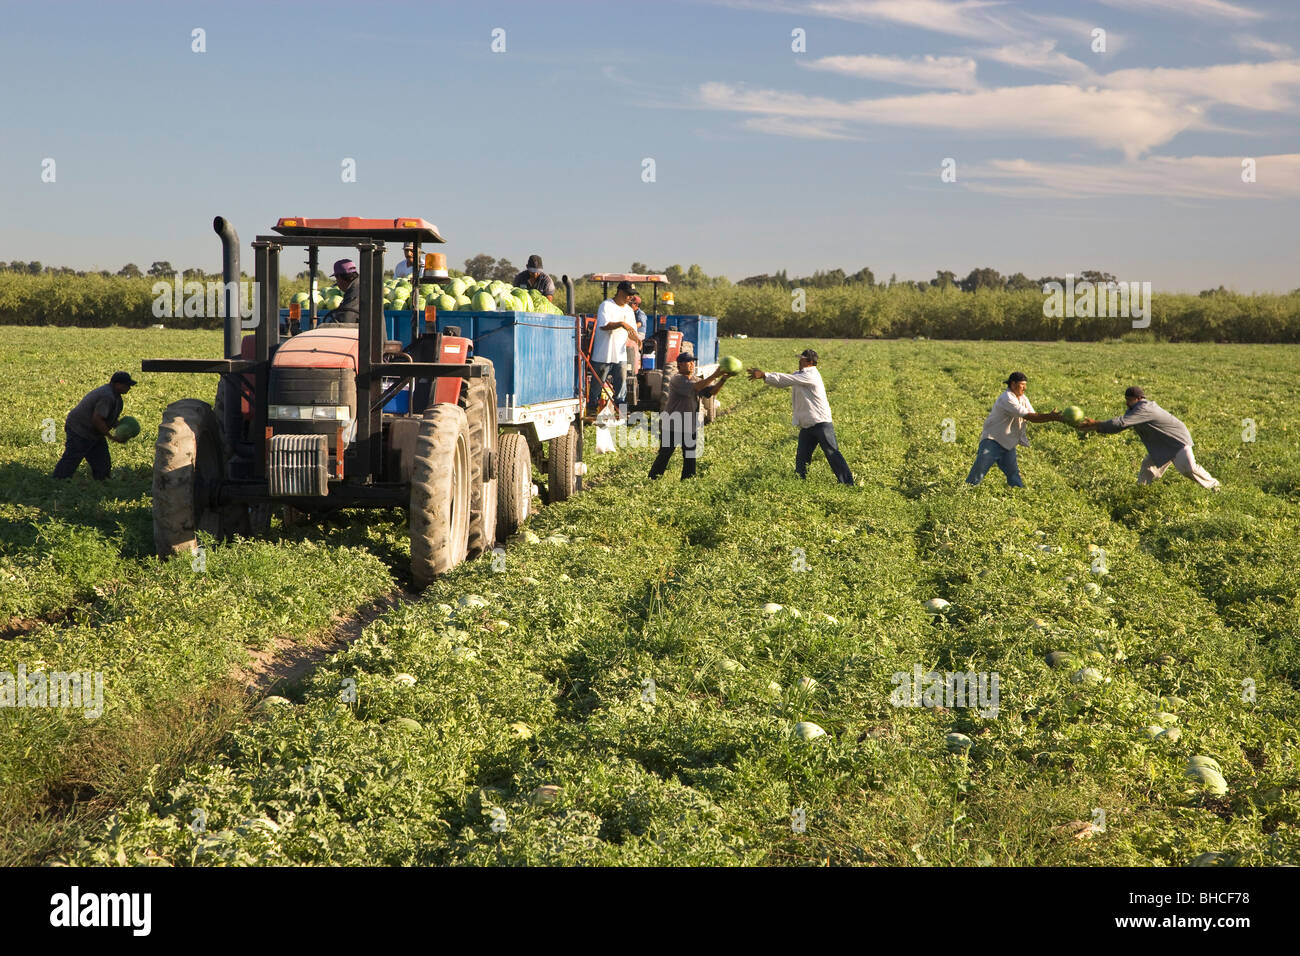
column 405, row 269
column 615, row 322
column 1004, row 429
column 812, row 415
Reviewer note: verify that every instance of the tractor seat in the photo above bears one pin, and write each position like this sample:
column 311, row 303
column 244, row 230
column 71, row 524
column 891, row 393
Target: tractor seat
column 393, row 349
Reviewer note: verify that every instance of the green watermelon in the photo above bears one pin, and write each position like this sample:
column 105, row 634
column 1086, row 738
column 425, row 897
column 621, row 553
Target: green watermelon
column 445, row 303
column 1072, row 415
column 731, row 364
column 127, row 427
column 483, row 302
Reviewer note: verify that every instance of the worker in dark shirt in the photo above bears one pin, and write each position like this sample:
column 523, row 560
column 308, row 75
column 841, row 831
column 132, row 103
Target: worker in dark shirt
column 534, row 278
column 89, row 424
column 1167, row 440
column 679, row 420
column 345, row 277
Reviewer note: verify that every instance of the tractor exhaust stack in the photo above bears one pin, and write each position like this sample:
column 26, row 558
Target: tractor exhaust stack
column 568, row 294
column 230, row 278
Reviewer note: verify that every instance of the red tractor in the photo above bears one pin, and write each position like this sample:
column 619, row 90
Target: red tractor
column 308, row 423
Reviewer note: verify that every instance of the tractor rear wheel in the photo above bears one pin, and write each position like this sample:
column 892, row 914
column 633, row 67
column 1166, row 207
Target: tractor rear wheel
column 440, row 493
column 188, row 461
column 560, row 478
column 515, row 484
column 481, row 411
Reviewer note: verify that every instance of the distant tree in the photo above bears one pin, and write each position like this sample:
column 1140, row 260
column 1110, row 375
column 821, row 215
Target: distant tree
column 1206, row 293
column 981, row 279
column 640, row 269
column 105, row 273
column 695, row 276
column 944, row 279
column 161, row 269
column 193, row 274
column 863, row 276
column 675, row 275
column 1020, row 282
column 480, row 265
column 131, row 270
column 1096, row 277
column 760, row 280
column 1059, row 280
column 893, row 277
column 34, row 267
column 504, row 271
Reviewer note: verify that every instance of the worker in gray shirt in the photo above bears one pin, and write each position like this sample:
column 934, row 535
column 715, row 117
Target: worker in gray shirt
column 1167, row 440
column 89, row 424
column 679, row 419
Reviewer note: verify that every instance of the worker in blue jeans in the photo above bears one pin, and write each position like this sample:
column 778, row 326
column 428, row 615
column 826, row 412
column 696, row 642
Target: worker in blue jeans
column 812, row 415
column 1004, row 430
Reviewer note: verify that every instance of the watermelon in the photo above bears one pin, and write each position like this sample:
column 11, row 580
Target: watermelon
column 463, row 303
column 958, row 743
column 807, row 730
column 127, row 427
column 1072, row 414
column 406, row 724
column 731, row 364
column 506, row 303
column 483, row 302
column 936, row 605
column 1207, row 776
column 445, row 303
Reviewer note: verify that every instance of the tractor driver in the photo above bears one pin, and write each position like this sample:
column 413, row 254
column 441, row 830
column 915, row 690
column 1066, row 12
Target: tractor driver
column 534, row 278
column 345, row 277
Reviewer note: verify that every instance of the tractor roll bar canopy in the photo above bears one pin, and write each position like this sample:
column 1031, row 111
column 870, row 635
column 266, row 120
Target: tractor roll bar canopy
column 627, row 277
column 411, row 229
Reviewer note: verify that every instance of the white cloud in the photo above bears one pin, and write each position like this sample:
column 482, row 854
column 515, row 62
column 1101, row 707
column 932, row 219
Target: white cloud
column 1185, row 177
column 1253, row 44
column 940, row 72
column 963, row 18
column 1253, row 86
column 1043, row 57
column 1198, row 8
column 1133, row 121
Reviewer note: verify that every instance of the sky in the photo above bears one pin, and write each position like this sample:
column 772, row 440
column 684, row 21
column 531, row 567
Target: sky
column 909, row 136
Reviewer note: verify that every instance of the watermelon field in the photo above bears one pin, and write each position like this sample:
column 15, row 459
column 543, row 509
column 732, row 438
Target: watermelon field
column 714, row 672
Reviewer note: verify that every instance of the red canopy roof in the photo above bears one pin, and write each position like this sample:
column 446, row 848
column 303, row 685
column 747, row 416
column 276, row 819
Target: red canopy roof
column 407, row 228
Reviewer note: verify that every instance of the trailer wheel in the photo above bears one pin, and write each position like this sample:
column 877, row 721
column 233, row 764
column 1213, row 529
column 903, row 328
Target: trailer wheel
column 515, row 483
column 481, row 411
column 560, row 478
column 440, row 493
column 188, row 460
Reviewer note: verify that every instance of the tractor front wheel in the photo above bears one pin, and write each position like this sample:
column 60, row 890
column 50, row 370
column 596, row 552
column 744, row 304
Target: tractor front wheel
column 440, row 494
column 188, row 462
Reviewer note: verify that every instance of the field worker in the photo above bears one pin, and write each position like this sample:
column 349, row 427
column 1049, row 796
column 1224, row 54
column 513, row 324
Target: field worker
column 1167, row 440
column 680, row 419
column 89, row 424
column 615, row 322
column 633, row 348
column 345, row 277
column 534, row 278
column 812, row 415
column 405, row 269
column 1004, row 429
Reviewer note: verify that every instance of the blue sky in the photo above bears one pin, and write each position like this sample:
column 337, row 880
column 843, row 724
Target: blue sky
column 1128, row 160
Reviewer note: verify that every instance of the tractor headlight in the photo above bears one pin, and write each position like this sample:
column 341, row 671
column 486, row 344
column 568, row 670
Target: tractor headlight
column 336, row 413
column 332, row 413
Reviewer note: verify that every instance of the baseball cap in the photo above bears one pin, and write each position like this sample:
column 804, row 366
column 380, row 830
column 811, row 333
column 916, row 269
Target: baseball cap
column 635, row 299
column 810, row 355
column 685, row 357
column 534, row 262
column 345, row 267
column 122, row 378
column 1134, row 392
column 408, row 245
column 1016, row 377
column 627, row 287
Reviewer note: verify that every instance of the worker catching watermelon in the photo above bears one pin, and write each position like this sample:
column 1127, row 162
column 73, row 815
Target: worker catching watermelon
column 88, row 425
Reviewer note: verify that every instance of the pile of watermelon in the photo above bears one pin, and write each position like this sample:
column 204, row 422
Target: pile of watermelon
column 462, row 294
column 466, row 294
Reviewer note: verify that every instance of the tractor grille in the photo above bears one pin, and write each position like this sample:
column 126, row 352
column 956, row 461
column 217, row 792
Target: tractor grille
column 298, row 465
